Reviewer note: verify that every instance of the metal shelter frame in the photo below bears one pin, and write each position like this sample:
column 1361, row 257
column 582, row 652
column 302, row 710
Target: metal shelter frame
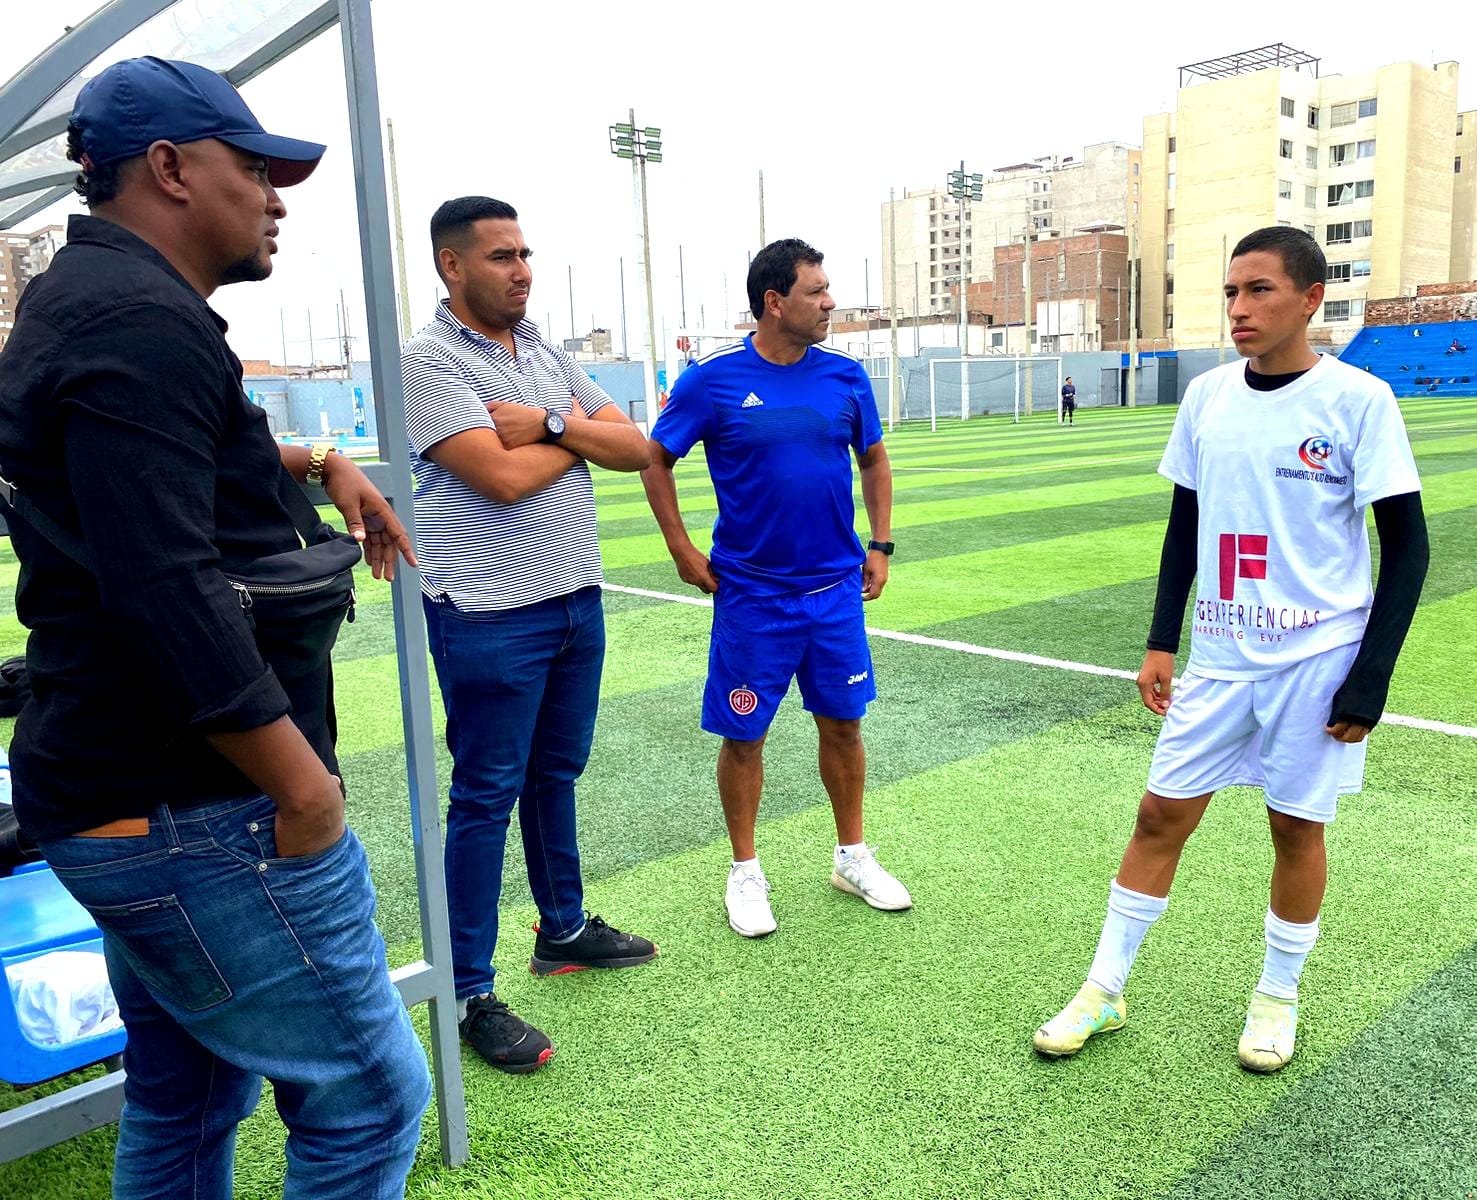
column 1245, row 61
column 25, row 127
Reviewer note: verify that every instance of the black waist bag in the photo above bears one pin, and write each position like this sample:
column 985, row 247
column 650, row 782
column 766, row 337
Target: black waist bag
column 295, row 601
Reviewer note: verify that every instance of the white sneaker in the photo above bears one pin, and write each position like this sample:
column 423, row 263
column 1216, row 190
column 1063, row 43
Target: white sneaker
column 862, row 875
column 747, row 901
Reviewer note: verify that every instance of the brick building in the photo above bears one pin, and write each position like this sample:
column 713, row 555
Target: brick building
column 1079, row 290
column 1432, row 303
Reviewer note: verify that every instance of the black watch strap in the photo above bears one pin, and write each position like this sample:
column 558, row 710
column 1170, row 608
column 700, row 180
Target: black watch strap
column 886, row 547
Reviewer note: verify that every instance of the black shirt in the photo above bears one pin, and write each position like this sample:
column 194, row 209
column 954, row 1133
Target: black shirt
column 122, row 417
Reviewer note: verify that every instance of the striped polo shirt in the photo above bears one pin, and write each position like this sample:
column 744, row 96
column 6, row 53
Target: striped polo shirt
column 481, row 555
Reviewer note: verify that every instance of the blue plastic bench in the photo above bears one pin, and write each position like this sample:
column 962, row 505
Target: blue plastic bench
column 37, row 916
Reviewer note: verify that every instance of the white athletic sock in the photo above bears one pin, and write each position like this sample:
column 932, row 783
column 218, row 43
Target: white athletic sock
column 461, row 1005
column 564, row 941
column 749, row 864
column 849, row 851
column 1288, row 945
column 1129, row 916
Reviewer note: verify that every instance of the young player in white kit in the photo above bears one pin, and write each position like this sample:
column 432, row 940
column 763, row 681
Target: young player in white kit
column 1274, row 463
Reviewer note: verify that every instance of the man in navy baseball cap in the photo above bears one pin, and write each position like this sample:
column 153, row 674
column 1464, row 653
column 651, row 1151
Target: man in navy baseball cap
column 123, row 421
column 140, row 101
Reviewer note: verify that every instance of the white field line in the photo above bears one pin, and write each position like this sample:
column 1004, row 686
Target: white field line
column 1030, row 660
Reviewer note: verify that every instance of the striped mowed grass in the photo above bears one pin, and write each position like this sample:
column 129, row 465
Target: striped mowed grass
column 864, row 1054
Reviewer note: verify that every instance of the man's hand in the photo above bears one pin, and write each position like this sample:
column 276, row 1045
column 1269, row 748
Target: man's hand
column 874, row 574
column 1156, row 677
column 367, row 515
column 694, row 568
column 1349, row 732
column 517, row 424
column 312, row 825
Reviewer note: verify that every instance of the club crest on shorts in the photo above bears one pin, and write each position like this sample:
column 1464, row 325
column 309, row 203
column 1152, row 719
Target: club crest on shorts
column 742, row 701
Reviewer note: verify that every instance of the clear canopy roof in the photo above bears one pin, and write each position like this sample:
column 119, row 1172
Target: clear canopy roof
column 238, row 38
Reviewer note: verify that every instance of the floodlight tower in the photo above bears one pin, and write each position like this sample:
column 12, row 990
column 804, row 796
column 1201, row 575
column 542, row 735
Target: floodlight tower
column 642, row 145
column 964, row 188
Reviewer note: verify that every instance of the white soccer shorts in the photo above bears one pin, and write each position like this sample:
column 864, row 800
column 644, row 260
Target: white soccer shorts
column 1267, row 733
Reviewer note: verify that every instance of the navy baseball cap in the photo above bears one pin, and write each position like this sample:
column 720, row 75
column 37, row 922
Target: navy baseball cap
column 135, row 103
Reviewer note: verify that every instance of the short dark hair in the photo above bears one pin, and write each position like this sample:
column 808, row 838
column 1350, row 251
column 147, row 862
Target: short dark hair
column 773, row 269
column 451, row 222
column 1301, row 256
column 97, row 184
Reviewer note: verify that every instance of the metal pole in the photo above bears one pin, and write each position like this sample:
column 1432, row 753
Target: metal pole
column 867, row 287
column 917, row 313
column 282, row 322
column 646, row 270
column 404, row 290
column 894, row 375
column 963, row 282
column 573, row 332
column 1029, row 314
column 431, row 978
column 625, row 345
column 1133, row 314
column 1224, row 266
column 762, row 242
column 1098, row 294
column 312, row 347
column 682, row 285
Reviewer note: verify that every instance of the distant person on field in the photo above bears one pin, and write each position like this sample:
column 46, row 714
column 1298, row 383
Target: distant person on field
column 1069, row 400
column 183, row 790
column 1456, row 347
column 503, row 428
column 780, row 417
column 1274, row 463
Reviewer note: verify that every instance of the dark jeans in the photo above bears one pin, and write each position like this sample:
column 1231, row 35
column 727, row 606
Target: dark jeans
column 521, row 687
column 231, row 964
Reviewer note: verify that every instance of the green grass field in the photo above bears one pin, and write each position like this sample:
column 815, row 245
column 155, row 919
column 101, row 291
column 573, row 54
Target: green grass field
column 859, row 1054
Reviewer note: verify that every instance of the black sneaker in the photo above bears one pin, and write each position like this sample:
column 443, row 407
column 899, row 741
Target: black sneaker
column 504, row 1038
column 598, row 945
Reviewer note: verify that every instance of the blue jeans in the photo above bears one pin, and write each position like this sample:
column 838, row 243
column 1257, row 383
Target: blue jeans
column 231, row 964
column 521, row 687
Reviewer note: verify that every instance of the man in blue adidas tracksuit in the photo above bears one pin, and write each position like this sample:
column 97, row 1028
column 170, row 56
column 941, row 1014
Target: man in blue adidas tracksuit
column 779, row 416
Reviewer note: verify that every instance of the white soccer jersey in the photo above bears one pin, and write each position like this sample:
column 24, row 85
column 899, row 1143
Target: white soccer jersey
column 1283, row 479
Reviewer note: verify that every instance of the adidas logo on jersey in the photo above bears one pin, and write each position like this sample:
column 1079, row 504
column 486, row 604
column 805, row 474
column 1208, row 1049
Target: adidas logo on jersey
column 752, row 401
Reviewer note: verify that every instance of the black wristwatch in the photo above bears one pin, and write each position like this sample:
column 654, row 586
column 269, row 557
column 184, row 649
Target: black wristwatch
column 886, row 547
column 553, row 427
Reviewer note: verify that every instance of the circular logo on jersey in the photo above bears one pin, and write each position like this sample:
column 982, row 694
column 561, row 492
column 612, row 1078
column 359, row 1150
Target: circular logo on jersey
column 742, row 701
column 1315, row 452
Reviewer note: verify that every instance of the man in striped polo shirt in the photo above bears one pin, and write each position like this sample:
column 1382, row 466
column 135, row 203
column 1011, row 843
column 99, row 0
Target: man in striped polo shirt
column 502, row 429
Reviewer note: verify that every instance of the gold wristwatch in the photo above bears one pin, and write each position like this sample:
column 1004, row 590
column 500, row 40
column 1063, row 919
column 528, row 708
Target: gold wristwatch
column 317, row 461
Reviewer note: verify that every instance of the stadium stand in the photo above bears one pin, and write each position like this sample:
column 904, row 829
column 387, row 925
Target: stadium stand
column 1420, row 359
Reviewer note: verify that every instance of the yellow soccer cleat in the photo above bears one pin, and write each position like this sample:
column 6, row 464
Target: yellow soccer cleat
column 1091, row 1011
column 1270, row 1036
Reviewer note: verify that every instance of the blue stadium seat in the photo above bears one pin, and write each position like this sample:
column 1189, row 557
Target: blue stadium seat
column 38, row 915
column 1418, row 365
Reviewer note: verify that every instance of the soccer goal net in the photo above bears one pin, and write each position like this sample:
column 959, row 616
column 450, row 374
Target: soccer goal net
column 978, row 386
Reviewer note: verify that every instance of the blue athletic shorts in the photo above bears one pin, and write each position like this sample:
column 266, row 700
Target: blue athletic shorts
column 760, row 643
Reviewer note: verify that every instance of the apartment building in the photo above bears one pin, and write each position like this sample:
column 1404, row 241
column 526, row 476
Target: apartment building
column 1367, row 163
column 23, row 256
column 1044, row 197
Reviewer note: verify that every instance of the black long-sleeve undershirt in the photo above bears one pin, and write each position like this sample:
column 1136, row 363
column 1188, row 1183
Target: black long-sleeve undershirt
column 1404, row 557
column 1176, row 570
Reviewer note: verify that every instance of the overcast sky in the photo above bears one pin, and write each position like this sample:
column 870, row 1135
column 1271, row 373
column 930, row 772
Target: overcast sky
column 835, row 104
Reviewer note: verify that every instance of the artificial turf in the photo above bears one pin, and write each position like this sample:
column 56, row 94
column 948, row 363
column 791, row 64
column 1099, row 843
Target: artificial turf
column 864, row 1054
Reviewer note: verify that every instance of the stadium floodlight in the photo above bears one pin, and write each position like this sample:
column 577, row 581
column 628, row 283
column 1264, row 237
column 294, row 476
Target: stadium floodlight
column 639, row 145
column 964, row 187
